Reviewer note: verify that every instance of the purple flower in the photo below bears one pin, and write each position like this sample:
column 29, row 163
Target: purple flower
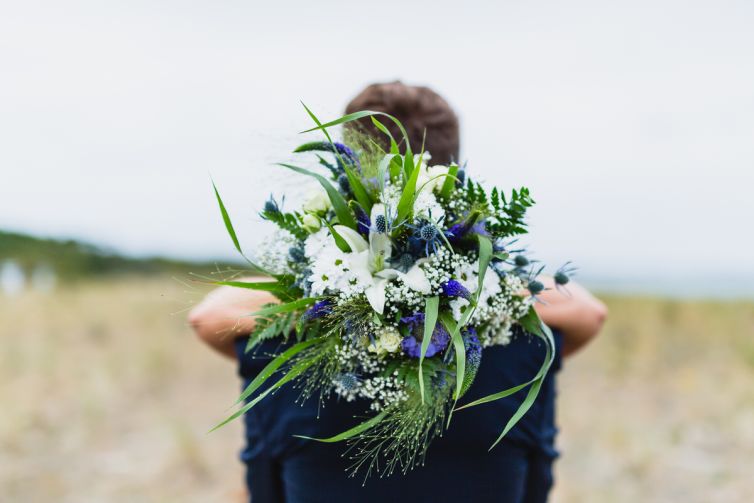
column 363, row 222
column 471, row 225
column 454, row 288
column 350, row 154
column 318, row 310
column 412, row 344
column 471, row 342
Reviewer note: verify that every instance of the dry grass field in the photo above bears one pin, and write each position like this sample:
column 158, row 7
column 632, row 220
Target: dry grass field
column 106, row 396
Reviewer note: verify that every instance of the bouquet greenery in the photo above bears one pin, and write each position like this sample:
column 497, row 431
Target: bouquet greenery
column 392, row 278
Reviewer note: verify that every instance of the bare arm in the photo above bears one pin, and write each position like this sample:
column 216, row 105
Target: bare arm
column 223, row 316
column 579, row 316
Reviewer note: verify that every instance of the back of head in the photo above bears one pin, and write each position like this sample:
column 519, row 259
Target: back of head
column 419, row 109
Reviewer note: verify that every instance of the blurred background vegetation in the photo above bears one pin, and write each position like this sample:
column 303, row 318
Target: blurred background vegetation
column 107, row 395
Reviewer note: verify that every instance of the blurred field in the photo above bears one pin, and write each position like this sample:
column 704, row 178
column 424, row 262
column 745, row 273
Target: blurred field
column 106, row 396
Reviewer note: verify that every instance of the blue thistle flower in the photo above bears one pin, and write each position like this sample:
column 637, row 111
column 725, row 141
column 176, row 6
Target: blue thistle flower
column 348, row 381
column 454, row 288
column 271, row 206
column 428, row 233
column 296, row 254
column 461, row 175
column 405, row 261
column 521, row 261
column 380, row 224
column 535, row 287
column 563, row 276
column 344, row 184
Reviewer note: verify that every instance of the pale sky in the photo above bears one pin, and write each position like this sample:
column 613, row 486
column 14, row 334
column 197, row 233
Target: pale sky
column 631, row 122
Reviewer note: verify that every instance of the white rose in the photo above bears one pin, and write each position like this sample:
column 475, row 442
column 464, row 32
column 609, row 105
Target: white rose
column 436, row 180
column 311, row 223
column 318, row 202
column 390, row 340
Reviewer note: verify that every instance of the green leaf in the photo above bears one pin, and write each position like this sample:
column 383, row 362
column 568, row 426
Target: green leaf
column 226, row 219
column 408, row 163
column 285, row 308
column 232, row 232
column 393, row 145
column 274, row 365
column 431, row 307
column 407, row 197
column 280, row 290
column 341, row 243
column 345, row 217
column 360, row 115
column 450, row 182
column 460, row 350
column 532, row 324
column 359, row 191
column 292, row 374
column 360, row 428
column 485, row 255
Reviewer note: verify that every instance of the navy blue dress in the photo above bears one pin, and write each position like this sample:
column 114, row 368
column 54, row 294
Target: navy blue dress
column 282, row 468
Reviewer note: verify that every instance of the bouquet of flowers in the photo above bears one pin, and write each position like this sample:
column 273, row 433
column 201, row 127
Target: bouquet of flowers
column 392, row 279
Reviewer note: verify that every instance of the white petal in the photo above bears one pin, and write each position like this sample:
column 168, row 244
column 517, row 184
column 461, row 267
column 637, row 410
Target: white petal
column 353, row 238
column 380, row 250
column 417, row 280
column 376, row 295
column 378, row 209
column 388, row 273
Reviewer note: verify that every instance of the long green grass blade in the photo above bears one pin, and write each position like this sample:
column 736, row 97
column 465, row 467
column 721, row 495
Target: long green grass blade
column 393, row 144
column 431, row 307
column 339, row 204
column 405, row 204
column 522, row 409
column 274, row 365
column 450, row 182
column 460, row 350
column 532, row 323
column 280, row 290
column 360, row 428
column 356, row 116
column 226, row 220
column 359, row 191
column 289, row 376
column 485, row 255
column 285, row 308
column 232, row 232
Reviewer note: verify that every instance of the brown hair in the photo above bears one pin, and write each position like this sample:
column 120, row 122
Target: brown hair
column 419, row 109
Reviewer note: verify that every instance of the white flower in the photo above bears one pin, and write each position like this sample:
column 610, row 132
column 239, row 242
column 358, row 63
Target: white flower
column 390, row 340
column 318, row 202
column 311, row 223
column 368, row 260
column 457, row 307
column 272, row 252
column 387, row 341
column 427, row 207
column 490, row 285
column 432, row 177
